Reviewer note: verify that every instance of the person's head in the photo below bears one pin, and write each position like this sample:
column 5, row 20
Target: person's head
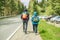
column 34, row 10
column 25, row 10
column 35, row 13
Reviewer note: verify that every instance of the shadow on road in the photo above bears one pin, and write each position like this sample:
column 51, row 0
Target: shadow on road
column 30, row 32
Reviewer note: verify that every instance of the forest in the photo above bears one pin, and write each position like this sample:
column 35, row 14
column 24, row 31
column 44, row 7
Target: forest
column 10, row 7
column 45, row 7
column 15, row 7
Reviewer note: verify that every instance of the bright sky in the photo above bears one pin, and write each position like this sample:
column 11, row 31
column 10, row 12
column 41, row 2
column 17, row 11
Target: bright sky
column 39, row 0
column 26, row 2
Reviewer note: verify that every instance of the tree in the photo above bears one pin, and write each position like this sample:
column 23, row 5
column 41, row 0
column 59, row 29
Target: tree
column 10, row 7
column 55, row 6
column 1, row 7
column 31, row 6
column 20, row 7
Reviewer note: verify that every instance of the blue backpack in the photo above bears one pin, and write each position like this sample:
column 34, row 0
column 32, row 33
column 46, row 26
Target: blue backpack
column 35, row 19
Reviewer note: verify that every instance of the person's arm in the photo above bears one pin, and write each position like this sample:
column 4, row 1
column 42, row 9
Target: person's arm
column 38, row 19
column 21, row 16
column 28, row 16
column 32, row 18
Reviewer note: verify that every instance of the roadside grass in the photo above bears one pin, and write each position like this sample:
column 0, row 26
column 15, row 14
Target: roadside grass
column 48, row 31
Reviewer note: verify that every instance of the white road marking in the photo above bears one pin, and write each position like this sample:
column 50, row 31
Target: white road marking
column 13, row 32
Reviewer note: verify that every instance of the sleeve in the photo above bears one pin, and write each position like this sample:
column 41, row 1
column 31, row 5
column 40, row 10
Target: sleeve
column 28, row 15
column 38, row 19
column 21, row 16
column 32, row 18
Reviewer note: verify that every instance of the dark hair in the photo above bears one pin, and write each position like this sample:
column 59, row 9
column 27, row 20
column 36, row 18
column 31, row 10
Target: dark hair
column 34, row 10
column 25, row 10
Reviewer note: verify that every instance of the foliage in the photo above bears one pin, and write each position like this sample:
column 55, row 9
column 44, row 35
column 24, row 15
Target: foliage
column 1, row 7
column 31, row 7
column 49, row 7
column 48, row 31
column 10, row 7
column 55, row 6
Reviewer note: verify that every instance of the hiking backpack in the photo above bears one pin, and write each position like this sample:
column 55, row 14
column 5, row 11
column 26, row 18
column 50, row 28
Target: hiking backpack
column 24, row 16
column 35, row 19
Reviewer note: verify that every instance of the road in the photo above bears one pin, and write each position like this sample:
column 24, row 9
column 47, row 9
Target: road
column 20, row 35
column 8, row 26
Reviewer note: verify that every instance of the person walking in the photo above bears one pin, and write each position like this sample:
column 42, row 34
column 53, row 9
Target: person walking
column 25, row 18
column 35, row 20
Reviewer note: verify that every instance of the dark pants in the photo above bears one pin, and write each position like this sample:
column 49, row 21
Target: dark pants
column 25, row 23
column 35, row 26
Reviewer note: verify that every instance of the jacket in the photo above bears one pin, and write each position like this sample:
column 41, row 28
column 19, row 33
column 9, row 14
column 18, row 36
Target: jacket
column 27, row 16
column 35, row 15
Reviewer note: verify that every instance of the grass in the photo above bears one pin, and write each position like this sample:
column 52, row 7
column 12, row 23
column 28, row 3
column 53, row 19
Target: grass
column 48, row 31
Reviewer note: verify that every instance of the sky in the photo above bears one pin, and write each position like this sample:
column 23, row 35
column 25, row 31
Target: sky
column 39, row 1
column 26, row 2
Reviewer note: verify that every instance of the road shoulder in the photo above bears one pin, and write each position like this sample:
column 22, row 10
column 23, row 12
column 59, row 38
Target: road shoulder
column 20, row 35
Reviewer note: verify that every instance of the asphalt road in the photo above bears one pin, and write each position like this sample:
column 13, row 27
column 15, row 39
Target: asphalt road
column 8, row 26
column 20, row 35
